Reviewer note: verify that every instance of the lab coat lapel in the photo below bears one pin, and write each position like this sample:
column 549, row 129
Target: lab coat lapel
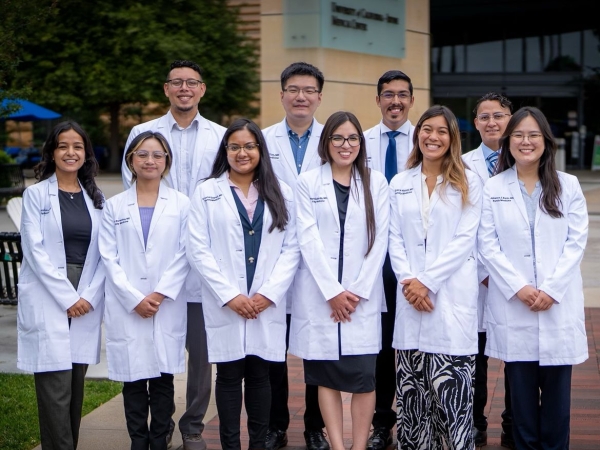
column 327, row 180
column 161, row 203
column 479, row 166
column 515, row 191
column 55, row 202
column 199, row 150
column 312, row 152
column 134, row 212
column 285, row 148
column 416, row 184
column 223, row 183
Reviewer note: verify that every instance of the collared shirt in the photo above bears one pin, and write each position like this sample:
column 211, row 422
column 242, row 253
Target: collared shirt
column 487, row 151
column 531, row 204
column 184, row 143
column 426, row 200
column 403, row 144
column 248, row 202
column 298, row 144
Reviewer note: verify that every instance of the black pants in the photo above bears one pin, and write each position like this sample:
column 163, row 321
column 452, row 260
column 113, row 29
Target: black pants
column 157, row 396
column 60, row 399
column 541, row 405
column 385, row 371
column 480, row 391
column 228, row 394
column 507, row 417
column 280, row 414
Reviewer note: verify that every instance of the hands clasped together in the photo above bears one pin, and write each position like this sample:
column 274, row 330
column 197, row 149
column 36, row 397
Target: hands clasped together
column 416, row 293
column 342, row 305
column 149, row 305
column 536, row 300
column 80, row 308
column 249, row 307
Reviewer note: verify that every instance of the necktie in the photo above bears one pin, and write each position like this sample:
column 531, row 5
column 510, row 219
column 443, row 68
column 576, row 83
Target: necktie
column 391, row 160
column 491, row 163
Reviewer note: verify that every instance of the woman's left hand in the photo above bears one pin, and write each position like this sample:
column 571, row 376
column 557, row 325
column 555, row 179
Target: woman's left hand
column 80, row 308
column 261, row 302
column 543, row 302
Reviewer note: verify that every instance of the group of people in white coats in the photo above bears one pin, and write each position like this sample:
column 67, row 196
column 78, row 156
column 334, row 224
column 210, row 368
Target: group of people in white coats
column 249, row 241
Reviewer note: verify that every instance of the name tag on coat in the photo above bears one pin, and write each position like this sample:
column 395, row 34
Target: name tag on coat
column 212, row 198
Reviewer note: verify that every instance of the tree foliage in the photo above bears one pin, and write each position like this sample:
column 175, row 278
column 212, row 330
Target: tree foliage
column 94, row 57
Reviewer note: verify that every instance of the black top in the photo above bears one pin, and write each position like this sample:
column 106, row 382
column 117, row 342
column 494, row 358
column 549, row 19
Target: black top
column 76, row 225
column 342, row 193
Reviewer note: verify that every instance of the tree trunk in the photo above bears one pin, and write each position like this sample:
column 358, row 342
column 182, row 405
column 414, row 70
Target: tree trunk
column 114, row 147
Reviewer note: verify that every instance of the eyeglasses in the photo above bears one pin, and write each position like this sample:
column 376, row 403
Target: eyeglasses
column 388, row 95
column 249, row 147
column 533, row 137
column 295, row 90
column 190, row 82
column 338, row 141
column 156, row 156
column 498, row 117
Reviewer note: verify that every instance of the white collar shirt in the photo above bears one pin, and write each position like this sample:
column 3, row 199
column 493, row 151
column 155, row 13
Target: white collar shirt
column 184, row 143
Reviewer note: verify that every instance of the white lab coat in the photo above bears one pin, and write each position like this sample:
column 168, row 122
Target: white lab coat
column 475, row 161
column 447, row 265
column 45, row 341
column 216, row 251
column 375, row 158
column 208, row 140
column 314, row 334
column 139, row 348
column 514, row 332
column 284, row 164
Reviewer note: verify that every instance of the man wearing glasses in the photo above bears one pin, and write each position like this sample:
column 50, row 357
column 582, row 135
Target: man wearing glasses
column 292, row 147
column 194, row 141
column 492, row 113
column 388, row 145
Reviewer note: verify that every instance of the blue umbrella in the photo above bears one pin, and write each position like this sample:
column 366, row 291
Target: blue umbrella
column 29, row 112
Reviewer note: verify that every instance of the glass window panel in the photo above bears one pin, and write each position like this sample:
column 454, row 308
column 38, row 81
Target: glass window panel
column 534, row 57
column 446, row 59
column 514, row 55
column 484, row 57
column 591, row 51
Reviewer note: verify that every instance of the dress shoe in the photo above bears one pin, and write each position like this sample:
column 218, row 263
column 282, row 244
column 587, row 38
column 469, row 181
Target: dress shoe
column 276, row 439
column 479, row 437
column 170, row 434
column 315, row 440
column 193, row 442
column 380, row 439
column 507, row 441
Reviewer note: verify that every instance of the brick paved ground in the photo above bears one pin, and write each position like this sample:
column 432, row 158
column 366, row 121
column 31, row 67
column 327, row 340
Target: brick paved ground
column 585, row 405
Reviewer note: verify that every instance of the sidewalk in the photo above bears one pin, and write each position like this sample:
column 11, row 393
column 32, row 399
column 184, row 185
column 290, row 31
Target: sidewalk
column 104, row 428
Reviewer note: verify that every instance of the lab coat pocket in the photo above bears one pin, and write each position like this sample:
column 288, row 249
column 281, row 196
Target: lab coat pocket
column 465, row 322
column 30, row 313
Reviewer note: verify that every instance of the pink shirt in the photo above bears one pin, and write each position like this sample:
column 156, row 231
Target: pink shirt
column 248, row 202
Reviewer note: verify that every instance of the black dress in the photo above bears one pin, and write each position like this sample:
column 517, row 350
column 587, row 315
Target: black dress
column 350, row 373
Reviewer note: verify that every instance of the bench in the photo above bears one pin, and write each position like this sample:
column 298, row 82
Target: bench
column 12, row 181
column 11, row 255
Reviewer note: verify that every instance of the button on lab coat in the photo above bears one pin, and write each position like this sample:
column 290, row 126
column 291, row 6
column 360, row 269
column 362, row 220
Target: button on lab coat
column 216, row 251
column 45, row 341
column 447, row 265
column 139, row 348
column 514, row 332
column 313, row 333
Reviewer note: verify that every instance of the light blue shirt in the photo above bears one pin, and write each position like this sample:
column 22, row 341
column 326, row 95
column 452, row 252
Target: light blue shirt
column 184, row 144
column 298, row 144
column 531, row 203
column 486, row 150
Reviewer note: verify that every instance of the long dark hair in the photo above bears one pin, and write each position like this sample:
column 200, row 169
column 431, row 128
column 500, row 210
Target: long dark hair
column 86, row 174
column 453, row 167
column 136, row 143
column 551, row 189
column 359, row 165
column 265, row 180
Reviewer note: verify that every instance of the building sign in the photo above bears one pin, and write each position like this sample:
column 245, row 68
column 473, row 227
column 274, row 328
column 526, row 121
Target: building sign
column 376, row 27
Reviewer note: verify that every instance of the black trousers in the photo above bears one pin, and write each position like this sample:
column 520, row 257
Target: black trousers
column 541, row 405
column 385, row 370
column 60, row 399
column 280, row 414
column 480, row 391
column 155, row 395
column 507, row 417
column 228, row 395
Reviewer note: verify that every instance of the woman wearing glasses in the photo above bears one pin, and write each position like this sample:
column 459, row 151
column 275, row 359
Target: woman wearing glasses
column 142, row 243
column 342, row 226
column 61, row 282
column 435, row 212
column 532, row 237
column 242, row 241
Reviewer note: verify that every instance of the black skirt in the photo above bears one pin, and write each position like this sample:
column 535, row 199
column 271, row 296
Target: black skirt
column 350, row 373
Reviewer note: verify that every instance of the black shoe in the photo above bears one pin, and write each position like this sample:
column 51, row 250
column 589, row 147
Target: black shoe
column 276, row 439
column 479, row 437
column 315, row 440
column 507, row 441
column 380, row 439
column 170, row 434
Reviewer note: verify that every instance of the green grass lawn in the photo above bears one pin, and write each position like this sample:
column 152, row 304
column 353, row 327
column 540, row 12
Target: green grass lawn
column 19, row 428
